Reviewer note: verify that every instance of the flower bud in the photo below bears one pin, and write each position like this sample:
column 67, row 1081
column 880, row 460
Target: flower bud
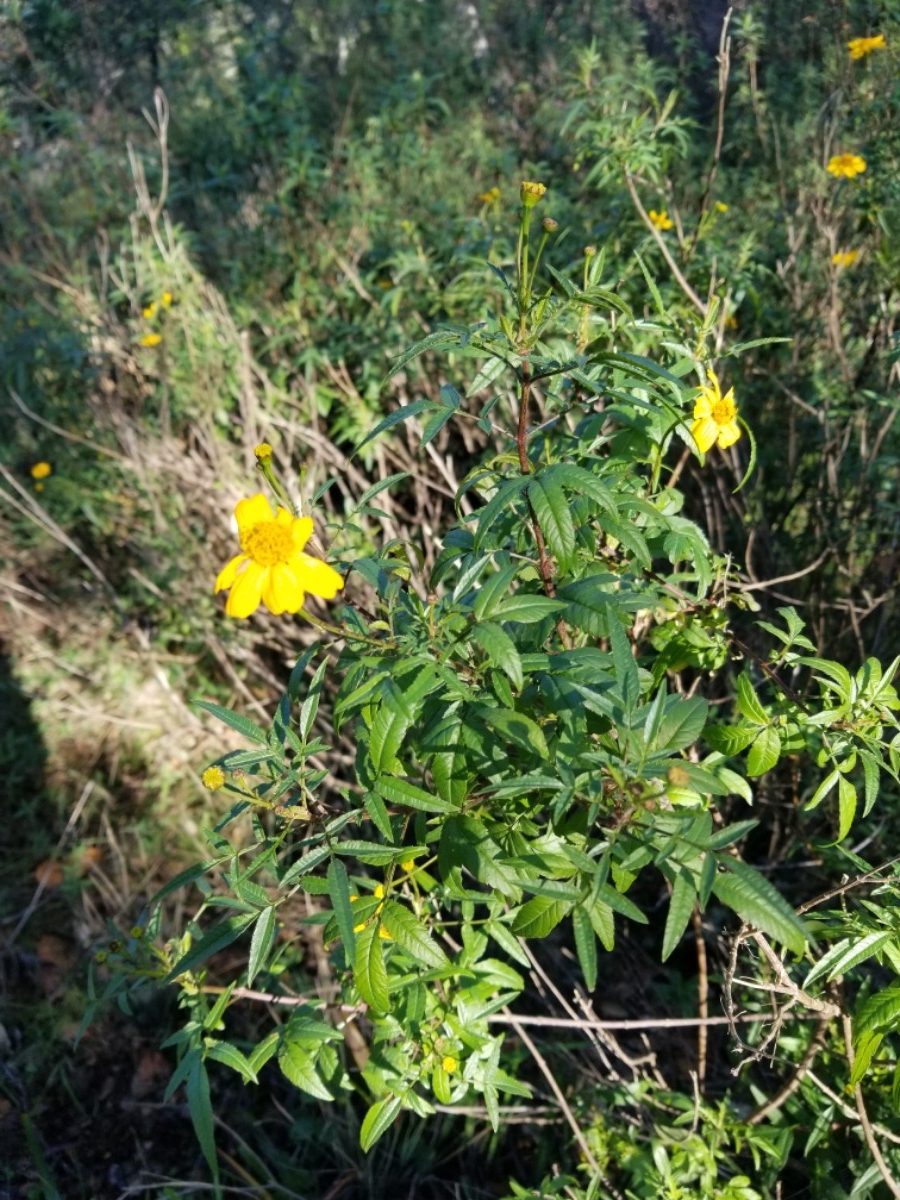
column 549, row 225
column 531, row 193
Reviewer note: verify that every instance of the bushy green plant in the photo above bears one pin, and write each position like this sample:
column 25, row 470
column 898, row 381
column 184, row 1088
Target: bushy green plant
column 528, row 743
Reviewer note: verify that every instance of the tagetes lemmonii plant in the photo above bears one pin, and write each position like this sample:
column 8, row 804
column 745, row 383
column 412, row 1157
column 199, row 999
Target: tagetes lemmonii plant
column 715, row 417
column 272, row 568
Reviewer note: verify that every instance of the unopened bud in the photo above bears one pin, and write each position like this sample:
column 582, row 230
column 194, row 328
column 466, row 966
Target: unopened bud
column 549, row 224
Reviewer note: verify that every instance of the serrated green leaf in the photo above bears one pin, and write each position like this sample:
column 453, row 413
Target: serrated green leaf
column 374, row 806
column 298, row 1066
column 402, row 792
column 681, row 906
column 764, row 753
column 261, row 942
column 538, row 916
column 823, row 789
column 555, row 519
column 310, row 706
column 412, row 936
column 507, row 941
column 729, row 739
column 682, row 723
column 370, row 974
column 200, row 1108
column 506, row 493
column 585, row 946
column 879, row 1012
column 627, row 679
column 526, row 608
column 866, row 1047
column 339, row 894
column 373, row 854
column 603, row 922
column 493, row 592
column 500, row 649
column 243, row 725
column 871, row 774
column 747, row 701
column 378, row 1120
column 620, row 904
column 517, row 728
column 851, row 956
column 846, row 806
column 230, row 1056
column 401, row 414
column 211, row 943
column 754, row 899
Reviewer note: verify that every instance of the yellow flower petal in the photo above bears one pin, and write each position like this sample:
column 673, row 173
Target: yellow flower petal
column 229, row 572
column 705, row 431
column 282, row 591
column 703, row 404
column 246, row 592
column 251, row 512
column 729, row 434
column 301, row 531
column 317, row 578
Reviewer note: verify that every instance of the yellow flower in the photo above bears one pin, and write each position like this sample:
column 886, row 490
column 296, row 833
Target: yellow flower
column 449, row 1063
column 383, row 933
column 860, row 47
column 151, row 339
column 845, row 258
column 359, row 928
column 166, row 299
column 41, row 470
column 378, row 893
column 715, row 417
column 720, row 207
column 490, row 197
column 263, row 452
column 408, row 865
column 273, row 570
column 661, row 220
column 213, row 778
column 150, row 311
column 845, row 166
column 531, row 193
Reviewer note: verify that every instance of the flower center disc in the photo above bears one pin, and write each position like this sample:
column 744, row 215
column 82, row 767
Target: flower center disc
column 269, row 543
column 723, row 412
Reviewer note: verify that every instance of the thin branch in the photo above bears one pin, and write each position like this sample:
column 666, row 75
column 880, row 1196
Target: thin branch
column 699, row 304
column 868, row 1131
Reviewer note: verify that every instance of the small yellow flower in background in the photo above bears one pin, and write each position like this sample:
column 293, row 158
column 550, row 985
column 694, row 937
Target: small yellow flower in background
column 449, row 1063
column 715, row 417
column 378, row 892
column 845, row 258
column 166, row 299
column 860, row 47
column 490, row 197
column 273, row 570
column 263, row 452
column 720, row 207
column 41, row 470
column 531, row 193
column 408, row 865
column 213, row 778
column 150, row 311
column 151, row 339
column 661, row 220
column 845, row 166
column 383, row 933
column 731, row 321
column 136, row 932
column 359, row 928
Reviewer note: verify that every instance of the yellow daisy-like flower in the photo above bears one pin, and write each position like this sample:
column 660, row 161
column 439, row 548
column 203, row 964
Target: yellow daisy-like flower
column 531, row 193
column 263, row 452
column 490, row 197
column 408, row 865
column 213, row 778
column 273, row 570
column 845, row 258
column 151, row 339
column 150, row 311
column 720, row 207
column 166, row 299
column 41, row 470
column 661, row 220
column 860, row 47
column 378, row 891
column 845, row 166
column 449, row 1063
column 715, row 417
